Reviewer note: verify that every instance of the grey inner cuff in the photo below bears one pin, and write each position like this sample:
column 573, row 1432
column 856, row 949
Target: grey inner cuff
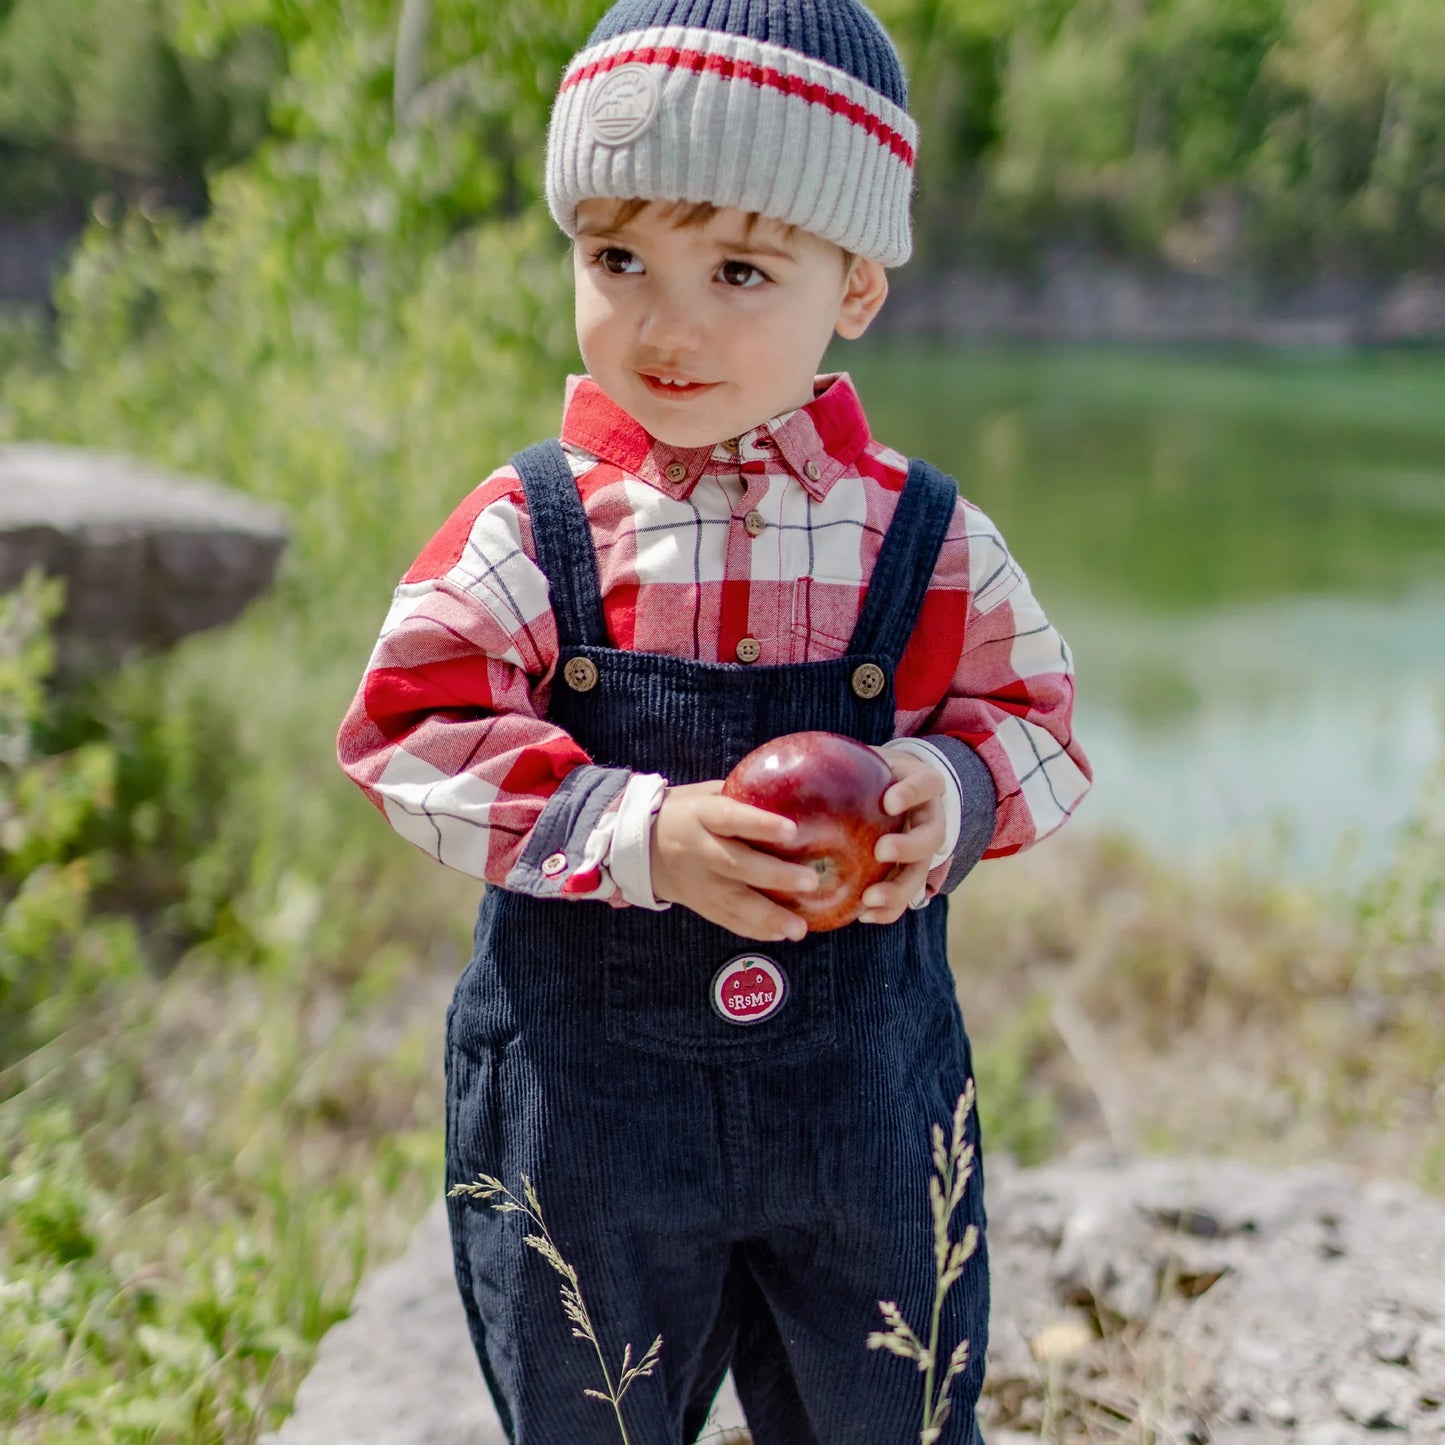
column 564, row 826
column 979, row 810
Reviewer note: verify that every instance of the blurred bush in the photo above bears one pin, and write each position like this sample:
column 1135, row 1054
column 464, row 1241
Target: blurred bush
column 96, row 93
column 369, row 319
column 219, row 1087
column 1274, row 136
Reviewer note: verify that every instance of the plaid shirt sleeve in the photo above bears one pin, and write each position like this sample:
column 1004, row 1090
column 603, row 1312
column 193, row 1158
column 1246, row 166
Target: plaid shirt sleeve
column 988, row 679
column 447, row 734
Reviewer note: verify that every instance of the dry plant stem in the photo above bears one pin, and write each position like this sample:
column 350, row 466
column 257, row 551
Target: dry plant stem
column 487, row 1188
column 953, row 1166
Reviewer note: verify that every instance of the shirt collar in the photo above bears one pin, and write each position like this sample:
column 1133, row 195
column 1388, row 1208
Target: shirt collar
column 817, row 442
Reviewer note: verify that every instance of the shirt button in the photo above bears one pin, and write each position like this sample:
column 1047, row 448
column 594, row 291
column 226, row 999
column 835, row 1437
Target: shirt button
column 749, row 649
column 812, row 471
column 553, row 865
column 733, row 444
column 675, row 471
column 754, row 522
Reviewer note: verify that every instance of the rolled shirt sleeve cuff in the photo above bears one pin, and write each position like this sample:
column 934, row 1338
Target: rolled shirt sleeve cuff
column 557, row 848
column 629, row 859
column 978, row 806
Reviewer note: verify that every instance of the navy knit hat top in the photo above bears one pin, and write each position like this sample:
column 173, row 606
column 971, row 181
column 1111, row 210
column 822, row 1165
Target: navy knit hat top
column 795, row 109
column 844, row 35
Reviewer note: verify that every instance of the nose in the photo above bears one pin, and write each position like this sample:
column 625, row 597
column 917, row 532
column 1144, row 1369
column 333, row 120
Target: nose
column 670, row 323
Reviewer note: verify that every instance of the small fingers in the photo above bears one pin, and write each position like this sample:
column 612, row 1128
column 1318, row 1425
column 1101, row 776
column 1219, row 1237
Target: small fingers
column 887, row 902
column 759, row 870
column 728, row 818
column 913, row 791
column 916, row 845
column 751, row 915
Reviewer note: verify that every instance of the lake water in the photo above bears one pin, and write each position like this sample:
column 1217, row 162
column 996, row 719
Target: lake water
column 1246, row 553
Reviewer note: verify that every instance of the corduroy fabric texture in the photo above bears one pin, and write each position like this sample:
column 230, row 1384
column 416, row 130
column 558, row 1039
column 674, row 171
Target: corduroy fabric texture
column 748, row 1193
column 796, row 110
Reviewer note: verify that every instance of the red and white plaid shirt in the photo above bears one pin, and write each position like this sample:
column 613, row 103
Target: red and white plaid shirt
column 771, row 537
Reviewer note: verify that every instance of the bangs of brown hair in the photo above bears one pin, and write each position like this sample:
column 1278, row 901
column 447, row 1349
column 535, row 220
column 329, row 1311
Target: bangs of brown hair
column 683, row 214
column 686, row 214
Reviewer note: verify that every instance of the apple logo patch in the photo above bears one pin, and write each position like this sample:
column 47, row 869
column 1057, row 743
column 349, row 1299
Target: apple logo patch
column 748, row 989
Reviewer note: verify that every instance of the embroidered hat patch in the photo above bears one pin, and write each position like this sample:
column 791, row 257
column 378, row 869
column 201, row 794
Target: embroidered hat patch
column 623, row 105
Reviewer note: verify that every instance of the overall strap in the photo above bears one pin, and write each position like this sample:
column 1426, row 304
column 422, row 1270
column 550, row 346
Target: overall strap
column 564, row 544
column 905, row 563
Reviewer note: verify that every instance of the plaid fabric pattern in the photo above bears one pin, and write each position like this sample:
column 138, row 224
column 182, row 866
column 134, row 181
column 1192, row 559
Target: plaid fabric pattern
column 769, row 537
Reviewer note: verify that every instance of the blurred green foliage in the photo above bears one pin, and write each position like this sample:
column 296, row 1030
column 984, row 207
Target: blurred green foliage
column 97, row 94
column 55, row 956
column 211, row 950
column 1284, row 136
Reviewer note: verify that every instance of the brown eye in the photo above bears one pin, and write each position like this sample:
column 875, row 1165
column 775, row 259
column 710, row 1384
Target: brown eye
column 615, row 261
column 740, row 274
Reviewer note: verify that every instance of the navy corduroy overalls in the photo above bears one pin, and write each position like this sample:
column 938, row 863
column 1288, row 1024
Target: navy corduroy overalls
column 747, row 1191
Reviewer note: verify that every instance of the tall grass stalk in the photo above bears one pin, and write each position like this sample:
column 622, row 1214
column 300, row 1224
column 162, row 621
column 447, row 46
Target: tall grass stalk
column 953, row 1167
column 487, row 1188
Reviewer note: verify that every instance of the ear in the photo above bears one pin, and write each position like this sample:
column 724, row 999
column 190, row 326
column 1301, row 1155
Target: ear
column 865, row 291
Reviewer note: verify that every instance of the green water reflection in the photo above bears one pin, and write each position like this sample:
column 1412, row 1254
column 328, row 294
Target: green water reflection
column 1246, row 552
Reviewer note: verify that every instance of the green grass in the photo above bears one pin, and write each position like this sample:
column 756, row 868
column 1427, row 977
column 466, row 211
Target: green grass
column 1217, row 1011
column 220, row 1067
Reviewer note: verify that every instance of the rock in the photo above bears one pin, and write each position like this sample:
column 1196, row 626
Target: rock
column 146, row 557
column 1283, row 1301
column 1071, row 292
column 1332, row 1432
column 1190, row 1429
column 1238, row 1410
column 1392, row 1340
column 1280, row 1411
column 1282, row 1349
column 401, row 1371
column 1061, row 1339
column 1377, row 1401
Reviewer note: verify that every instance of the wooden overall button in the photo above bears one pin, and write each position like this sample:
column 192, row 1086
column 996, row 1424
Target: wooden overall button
column 868, row 680
column 754, row 523
column 749, row 649
column 581, row 674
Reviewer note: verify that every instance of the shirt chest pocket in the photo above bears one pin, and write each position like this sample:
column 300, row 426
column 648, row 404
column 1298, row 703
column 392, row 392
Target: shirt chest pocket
column 825, row 612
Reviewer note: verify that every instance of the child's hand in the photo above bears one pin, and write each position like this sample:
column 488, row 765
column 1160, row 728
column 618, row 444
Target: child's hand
column 916, row 793
column 700, row 859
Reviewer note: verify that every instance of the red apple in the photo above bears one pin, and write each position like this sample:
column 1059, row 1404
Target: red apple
column 832, row 787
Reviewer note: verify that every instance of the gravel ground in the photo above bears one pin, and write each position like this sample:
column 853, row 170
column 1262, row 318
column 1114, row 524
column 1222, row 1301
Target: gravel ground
column 400, row 1370
column 1148, row 1299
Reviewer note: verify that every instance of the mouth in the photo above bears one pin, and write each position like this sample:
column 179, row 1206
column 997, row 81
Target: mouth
column 674, row 388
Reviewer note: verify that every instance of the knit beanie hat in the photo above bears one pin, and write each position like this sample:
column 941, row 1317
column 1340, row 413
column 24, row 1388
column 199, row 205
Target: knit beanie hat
column 795, row 109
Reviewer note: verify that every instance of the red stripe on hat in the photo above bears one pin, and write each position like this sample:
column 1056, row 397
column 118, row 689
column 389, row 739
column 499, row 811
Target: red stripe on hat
column 763, row 75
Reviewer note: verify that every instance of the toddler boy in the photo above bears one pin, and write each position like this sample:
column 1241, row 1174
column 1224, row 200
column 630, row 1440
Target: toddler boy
column 717, row 553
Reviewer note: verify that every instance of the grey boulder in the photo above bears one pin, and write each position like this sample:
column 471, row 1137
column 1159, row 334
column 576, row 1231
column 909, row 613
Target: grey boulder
column 146, row 557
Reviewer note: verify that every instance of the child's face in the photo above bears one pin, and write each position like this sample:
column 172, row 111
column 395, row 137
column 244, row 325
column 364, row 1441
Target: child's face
column 740, row 315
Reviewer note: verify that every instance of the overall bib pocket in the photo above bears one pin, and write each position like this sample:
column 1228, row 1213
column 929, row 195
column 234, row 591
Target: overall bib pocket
column 663, row 972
